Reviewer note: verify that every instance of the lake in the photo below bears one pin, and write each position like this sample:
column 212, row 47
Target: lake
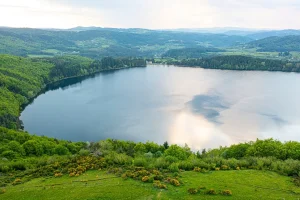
column 201, row 107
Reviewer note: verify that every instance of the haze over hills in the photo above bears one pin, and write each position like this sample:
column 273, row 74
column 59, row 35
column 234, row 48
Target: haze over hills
column 107, row 41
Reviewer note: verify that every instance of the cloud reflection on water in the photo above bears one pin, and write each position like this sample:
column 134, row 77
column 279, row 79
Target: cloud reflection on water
column 196, row 131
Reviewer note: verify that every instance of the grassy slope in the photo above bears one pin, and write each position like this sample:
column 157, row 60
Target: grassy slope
column 247, row 184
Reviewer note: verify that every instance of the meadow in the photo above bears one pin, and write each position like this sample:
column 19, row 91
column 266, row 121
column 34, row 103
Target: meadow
column 244, row 184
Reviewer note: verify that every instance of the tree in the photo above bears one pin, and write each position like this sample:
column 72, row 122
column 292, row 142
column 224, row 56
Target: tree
column 166, row 145
column 16, row 147
column 176, row 151
column 33, row 147
column 61, row 150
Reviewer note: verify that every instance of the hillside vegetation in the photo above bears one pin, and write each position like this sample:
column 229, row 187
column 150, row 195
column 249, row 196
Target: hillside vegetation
column 41, row 165
column 237, row 62
column 106, row 42
column 185, row 53
column 277, row 44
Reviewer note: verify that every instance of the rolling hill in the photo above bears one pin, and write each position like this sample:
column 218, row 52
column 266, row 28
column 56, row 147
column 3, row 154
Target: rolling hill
column 101, row 42
column 277, row 44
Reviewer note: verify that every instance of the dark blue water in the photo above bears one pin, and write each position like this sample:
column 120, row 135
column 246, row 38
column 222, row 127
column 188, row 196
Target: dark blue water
column 200, row 107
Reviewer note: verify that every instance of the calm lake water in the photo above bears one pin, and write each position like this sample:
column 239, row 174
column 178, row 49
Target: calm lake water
column 203, row 108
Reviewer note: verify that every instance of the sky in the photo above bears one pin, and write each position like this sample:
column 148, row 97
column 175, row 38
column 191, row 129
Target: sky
column 151, row 14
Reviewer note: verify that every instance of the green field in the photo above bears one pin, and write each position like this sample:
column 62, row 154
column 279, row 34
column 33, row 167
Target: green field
column 244, row 184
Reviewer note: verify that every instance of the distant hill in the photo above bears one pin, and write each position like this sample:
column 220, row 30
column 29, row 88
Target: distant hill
column 255, row 34
column 97, row 42
column 277, row 44
column 280, row 33
column 190, row 52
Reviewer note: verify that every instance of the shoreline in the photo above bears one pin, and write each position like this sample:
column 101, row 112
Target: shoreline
column 45, row 88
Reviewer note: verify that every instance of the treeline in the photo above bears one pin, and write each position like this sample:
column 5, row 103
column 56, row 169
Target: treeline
column 43, row 156
column 12, row 146
column 239, row 63
column 185, row 53
column 22, row 79
column 17, row 144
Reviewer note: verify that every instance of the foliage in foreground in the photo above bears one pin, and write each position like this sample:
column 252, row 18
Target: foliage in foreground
column 26, row 156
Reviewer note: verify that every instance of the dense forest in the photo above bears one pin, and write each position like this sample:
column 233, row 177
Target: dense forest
column 239, row 63
column 22, row 79
column 277, row 44
column 185, row 53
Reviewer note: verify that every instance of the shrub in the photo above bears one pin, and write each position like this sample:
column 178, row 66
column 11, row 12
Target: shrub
column 203, row 165
column 197, row 169
column 226, row 192
column 2, row 190
column 232, row 163
column 171, row 159
column 266, row 148
column 3, row 148
column 173, row 167
column 58, row 174
column 72, row 174
column 158, row 184
column 186, row 165
column 211, row 192
column 4, row 168
column 84, row 152
column 224, row 167
column 201, row 188
column 192, row 191
column 291, row 167
column 19, row 165
column 140, row 162
column 174, row 182
column 61, row 150
column 9, row 154
column 161, row 163
column 120, row 159
column 33, row 147
column 158, row 154
column 148, row 155
column 17, row 181
column 16, row 147
column 176, row 151
column 296, row 181
column 158, row 177
column 145, row 179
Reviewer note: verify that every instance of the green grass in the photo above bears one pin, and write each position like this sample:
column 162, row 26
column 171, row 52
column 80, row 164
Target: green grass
column 245, row 184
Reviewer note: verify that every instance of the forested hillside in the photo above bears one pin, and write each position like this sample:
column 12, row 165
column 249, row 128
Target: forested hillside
column 185, row 53
column 277, row 44
column 100, row 42
column 240, row 63
column 278, row 33
column 21, row 79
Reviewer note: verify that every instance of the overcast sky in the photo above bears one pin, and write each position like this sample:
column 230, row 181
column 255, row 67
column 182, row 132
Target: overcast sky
column 153, row 14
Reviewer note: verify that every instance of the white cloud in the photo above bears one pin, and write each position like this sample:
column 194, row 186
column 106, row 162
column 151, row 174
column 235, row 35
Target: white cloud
column 277, row 14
